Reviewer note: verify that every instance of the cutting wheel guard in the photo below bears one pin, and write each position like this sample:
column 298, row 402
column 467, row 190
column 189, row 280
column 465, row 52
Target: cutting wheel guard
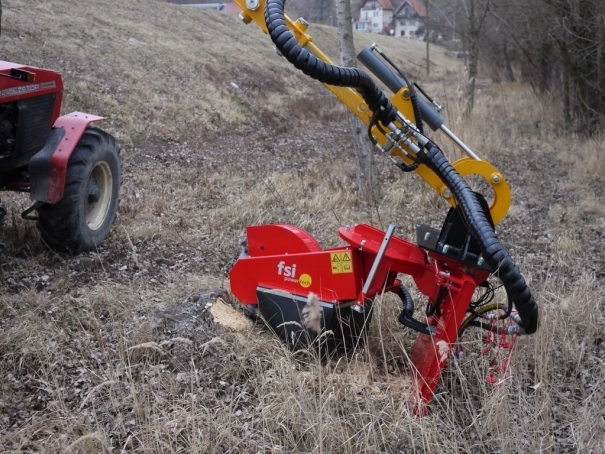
column 283, row 265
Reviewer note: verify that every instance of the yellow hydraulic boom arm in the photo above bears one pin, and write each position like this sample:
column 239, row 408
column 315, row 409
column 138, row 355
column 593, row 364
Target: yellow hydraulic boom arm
column 253, row 11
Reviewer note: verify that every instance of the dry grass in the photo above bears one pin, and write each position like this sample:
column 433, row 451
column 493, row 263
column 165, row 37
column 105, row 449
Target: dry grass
column 92, row 353
column 160, row 70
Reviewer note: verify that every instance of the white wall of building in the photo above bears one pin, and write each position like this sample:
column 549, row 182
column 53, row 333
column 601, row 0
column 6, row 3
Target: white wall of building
column 373, row 18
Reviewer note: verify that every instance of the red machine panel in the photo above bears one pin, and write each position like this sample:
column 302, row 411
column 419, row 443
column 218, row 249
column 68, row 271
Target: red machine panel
column 279, row 239
column 32, row 82
column 74, row 125
column 334, row 276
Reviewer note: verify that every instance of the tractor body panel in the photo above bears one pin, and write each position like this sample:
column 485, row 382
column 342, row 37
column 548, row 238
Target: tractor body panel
column 34, row 138
column 30, row 103
column 36, row 144
column 48, row 167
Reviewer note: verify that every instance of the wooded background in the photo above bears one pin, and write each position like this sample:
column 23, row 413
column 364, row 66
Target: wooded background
column 557, row 46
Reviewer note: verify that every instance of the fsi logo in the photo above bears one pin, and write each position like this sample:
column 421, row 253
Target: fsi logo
column 286, row 271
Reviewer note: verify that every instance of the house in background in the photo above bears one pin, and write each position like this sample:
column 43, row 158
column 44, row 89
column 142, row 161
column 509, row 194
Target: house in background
column 374, row 16
column 380, row 16
column 408, row 17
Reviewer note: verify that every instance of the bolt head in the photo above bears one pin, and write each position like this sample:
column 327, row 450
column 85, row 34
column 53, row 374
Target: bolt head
column 447, row 193
column 496, row 178
column 427, row 236
column 252, row 4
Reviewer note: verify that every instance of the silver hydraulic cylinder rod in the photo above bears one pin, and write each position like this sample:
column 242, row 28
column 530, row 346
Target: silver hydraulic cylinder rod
column 378, row 259
column 459, row 142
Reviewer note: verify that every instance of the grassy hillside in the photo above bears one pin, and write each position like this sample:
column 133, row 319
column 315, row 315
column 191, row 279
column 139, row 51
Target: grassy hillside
column 161, row 70
column 118, row 351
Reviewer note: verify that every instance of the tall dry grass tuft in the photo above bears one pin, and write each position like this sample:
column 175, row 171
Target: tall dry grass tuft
column 311, row 314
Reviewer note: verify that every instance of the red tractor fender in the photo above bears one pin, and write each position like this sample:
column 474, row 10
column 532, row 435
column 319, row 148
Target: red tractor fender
column 48, row 167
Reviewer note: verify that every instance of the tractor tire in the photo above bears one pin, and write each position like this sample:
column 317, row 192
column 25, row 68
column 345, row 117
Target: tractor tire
column 82, row 219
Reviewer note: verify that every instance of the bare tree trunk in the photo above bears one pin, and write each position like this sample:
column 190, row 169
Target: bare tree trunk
column 601, row 58
column 426, row 37
column 545, row 66
column 474, row 32
column 508, row 69
column 566, row 95
column 321, row 11
column 367, row 182
column 473, row 60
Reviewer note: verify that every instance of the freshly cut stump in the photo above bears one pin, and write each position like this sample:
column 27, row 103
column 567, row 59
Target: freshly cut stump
column 226, row 316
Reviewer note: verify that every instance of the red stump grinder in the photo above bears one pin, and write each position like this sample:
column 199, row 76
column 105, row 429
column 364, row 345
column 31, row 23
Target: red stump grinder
column 282, row 265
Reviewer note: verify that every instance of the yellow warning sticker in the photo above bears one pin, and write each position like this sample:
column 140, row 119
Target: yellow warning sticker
column 341, row 262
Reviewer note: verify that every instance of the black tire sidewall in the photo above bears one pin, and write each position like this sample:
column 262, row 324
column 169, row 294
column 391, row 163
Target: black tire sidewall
column 93, row 238
column 63, row 225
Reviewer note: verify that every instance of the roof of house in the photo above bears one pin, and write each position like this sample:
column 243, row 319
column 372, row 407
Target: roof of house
column 386, row 4
column 417, row 5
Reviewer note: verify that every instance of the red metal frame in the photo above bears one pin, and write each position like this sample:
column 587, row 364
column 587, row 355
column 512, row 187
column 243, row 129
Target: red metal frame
column 287, row 258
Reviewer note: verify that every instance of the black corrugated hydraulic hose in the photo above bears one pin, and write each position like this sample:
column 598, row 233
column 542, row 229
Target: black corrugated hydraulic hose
column 321, row 71
column 496, row 255
column 406, row 317
column 406, row 300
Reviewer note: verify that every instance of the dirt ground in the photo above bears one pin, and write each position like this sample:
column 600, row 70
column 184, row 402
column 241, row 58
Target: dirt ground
column 137, row 310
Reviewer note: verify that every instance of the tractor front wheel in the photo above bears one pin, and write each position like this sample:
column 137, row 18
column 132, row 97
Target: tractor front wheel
column 81, row 220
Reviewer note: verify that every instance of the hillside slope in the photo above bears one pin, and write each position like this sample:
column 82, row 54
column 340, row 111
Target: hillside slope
column 159, row 69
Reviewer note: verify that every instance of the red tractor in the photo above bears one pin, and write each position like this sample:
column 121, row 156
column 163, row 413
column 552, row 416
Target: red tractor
column 70, row 169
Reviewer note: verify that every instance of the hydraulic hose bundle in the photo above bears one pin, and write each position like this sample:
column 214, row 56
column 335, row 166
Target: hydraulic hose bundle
column 495, row 254
column 473, row 214
column 321, row 71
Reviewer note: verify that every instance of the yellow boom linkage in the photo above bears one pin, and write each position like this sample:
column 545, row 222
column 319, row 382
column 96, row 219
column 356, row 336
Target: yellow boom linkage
column 253, row 11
